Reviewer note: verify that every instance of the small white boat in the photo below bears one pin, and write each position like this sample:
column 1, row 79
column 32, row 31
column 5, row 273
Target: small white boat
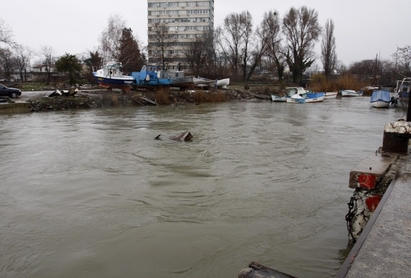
column 110, row 76
column 330, row 94
column 204, row 83
column 223, row 83
column 350, row 93
column 295, row 94
column 380, row 99
column 278, row 98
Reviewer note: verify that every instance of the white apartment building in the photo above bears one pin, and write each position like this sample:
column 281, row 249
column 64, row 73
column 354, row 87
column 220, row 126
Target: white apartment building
column 184, row 20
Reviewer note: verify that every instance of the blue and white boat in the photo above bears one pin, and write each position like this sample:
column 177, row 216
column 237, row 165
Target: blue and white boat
column 289, row 92
column 380, row 99
column 150, row 76
column 306, row 97
column 110, row 76
column 314, row 97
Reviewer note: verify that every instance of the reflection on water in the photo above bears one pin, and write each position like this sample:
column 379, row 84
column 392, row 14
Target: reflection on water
column 92, row 194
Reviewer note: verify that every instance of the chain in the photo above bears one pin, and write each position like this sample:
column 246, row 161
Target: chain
column 350, row 215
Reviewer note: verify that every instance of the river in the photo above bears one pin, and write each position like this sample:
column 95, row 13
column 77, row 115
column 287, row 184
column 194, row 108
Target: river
column 90, row 193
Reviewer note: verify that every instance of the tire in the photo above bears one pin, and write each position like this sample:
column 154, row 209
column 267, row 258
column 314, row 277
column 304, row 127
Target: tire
column 13, row 95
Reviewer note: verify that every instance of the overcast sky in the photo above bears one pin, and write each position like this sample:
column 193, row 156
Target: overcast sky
column 363, row 28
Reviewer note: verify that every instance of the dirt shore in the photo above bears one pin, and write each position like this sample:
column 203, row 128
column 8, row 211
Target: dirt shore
column 97, row 98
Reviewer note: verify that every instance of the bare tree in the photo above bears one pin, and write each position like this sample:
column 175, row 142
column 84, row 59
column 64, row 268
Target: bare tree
column 402, row 59
column 235, row 39
column 270, row 35
column 247, row 50
column 110, row 38
column 161, row 50
column 267, row 40
column 301, row 30
column 22, row 59
column 47, row 60
column 199, row 54
column 6, row 62
column 328, row 54
column 6, row 35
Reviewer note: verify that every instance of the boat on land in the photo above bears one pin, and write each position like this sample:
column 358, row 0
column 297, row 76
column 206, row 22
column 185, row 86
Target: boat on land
column 110, row 76
column 178, row 79
column 223, row 83
column 150, row 76
column 402, row 91
column 204, row 83
column 351, row 93
column 380, row 99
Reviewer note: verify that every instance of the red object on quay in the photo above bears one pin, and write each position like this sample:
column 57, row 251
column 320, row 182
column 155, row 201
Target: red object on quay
column 372, row 202
column 367, row 181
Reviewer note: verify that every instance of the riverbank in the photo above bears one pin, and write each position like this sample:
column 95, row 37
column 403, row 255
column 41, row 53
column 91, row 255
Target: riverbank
column 41, row 101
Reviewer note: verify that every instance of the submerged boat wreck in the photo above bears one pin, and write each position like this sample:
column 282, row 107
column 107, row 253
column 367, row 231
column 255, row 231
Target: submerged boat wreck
column 185, row 136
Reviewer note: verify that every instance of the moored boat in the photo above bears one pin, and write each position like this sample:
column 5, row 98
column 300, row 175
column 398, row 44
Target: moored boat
column 278, row 98
column 402, row 91
column 300, row 95
column 350, row 93
column 110, row 76
column 314, row 97
column 380, row 99
column 330, row 94
column 295, row 94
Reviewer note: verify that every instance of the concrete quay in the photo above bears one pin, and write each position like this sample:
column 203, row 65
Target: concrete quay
column 384, row 247
column 379, row 217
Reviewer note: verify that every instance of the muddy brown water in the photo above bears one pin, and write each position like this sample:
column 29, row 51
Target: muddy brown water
column 91, row 194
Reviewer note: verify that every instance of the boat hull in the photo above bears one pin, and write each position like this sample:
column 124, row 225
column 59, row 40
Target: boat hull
column 183, row 82
column 380, row 99
column 275, row 98
column 330, row 95
column 307, row 98
column 110, row 76
column 204, row 83
column 223, row 83
column 350, row 93
column 123, row 84
column 380, row 104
